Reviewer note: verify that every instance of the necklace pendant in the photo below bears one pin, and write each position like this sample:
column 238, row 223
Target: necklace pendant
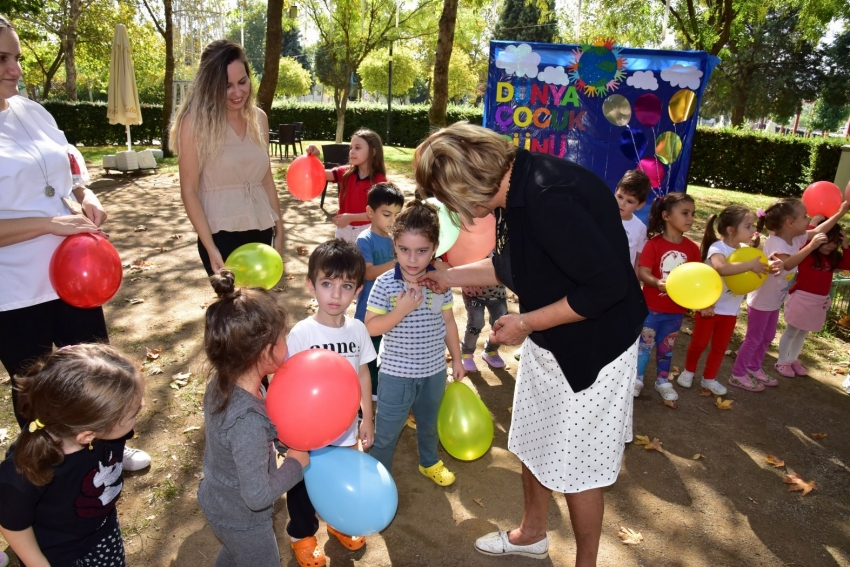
column 49, row 190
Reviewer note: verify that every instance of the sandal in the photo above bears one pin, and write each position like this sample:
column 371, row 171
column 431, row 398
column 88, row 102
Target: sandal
column 308, row 553
column 438, row 473
column 746, row 383
column 352, row 543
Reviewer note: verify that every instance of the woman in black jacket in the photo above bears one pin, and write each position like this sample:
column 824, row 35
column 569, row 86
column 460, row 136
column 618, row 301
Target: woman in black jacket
column 562, row 249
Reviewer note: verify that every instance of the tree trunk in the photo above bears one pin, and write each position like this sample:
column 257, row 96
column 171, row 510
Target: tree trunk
column 271, row 65
column 738, row 115
column 445, row 42
column 168, row 103
column 341, row 103
column 51, row 72
column 69, row 43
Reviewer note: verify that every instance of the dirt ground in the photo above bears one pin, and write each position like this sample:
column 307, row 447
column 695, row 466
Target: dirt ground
column 729, row 508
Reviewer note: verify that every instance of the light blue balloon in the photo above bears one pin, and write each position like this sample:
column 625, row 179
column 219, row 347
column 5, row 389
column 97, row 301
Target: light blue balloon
column 351, row 490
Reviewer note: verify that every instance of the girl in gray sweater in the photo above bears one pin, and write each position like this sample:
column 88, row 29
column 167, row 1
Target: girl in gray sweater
column 244, row 341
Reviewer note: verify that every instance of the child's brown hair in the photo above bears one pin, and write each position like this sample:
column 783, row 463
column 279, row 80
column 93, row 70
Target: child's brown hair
column 419, row 217
column 655, row 223
column 730, row 217
column 337, row 259
column 635, row 183
column 773, row 218
column 376, row 157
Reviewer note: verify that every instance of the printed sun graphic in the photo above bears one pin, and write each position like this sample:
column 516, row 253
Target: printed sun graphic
column 598, row 68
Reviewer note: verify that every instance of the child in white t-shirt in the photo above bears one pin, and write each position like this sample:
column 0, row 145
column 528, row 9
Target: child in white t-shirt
column 335, row 275
column 631, row 193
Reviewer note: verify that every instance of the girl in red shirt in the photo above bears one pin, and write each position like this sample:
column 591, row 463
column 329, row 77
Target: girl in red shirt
column 365, row 168
column 808, row 302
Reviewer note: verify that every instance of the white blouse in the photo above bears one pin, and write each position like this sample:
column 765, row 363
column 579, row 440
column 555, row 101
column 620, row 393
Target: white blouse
column 29, row 142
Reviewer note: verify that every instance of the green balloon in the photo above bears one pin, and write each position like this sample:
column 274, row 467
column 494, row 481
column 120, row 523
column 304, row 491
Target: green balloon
column 464, row 423
column 449, row 226
column 255, row 265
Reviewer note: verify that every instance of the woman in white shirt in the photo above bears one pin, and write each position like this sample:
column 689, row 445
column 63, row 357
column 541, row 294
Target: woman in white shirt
column 36, row 181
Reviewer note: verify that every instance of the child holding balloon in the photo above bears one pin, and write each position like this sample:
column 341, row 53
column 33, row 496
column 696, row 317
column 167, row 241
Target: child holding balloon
column 417, row 325
column 808, row 300
column 335, row 274
column 365, row 168
column 717, row 323
column 59, row 486
column 244, row 340
column 788, row 244
column 669, row 219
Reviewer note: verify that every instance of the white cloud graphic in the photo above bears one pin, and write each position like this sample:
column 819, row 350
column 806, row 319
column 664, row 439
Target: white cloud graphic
column 519, row 60
column 554, row 76
column 686, row 76
column 644, row 80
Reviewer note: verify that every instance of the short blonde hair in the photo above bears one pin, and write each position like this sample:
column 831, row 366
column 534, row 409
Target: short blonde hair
column 462, row 165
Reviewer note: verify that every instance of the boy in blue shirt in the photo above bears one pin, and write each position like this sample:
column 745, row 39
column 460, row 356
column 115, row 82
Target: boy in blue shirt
column 383, row 203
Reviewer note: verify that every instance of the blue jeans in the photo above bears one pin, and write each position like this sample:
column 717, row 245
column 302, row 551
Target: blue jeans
column 396, row 397
column 661, row 329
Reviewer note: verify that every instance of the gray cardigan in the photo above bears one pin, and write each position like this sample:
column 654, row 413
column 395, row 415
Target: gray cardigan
column 241, row 479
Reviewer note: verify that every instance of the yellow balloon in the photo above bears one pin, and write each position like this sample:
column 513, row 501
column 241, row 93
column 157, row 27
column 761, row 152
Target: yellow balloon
column 694, row 285
column 682, row 105
column 464, row 424
column 739, row 284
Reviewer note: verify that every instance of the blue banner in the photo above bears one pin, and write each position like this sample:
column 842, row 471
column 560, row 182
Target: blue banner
column 606, row 107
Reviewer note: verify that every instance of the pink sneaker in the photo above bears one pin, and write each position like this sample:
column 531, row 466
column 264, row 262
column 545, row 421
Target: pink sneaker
column 799, row 369
column 763, row 378
column 785, row 369
column 468, row 363
column 493, row 359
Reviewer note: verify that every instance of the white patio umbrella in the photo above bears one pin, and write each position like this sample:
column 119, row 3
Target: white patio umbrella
column 122, row 105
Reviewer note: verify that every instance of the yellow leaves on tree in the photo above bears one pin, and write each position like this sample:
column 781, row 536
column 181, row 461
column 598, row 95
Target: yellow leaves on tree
column 643, row 440
column 796, row 483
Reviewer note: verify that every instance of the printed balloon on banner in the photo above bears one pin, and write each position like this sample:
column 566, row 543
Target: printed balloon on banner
column 648, row 109
column 668, row 147
column 654, row 170
column 682, row 106
column 617, row 110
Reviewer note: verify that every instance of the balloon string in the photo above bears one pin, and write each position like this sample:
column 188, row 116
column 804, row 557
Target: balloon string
column 634, row 144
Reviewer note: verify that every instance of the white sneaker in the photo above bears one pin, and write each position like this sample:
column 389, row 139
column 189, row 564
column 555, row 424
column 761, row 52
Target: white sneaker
column 685, row 379
column 713, row 386
column 638, row 388
column 667, row 392
column 497, row 543
column 135, row 459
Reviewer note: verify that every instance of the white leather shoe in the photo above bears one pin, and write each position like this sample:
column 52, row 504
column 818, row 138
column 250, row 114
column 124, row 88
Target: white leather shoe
column 497, row 543
column 135, row 459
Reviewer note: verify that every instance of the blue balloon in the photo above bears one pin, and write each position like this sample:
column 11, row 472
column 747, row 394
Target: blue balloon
column 351, row 490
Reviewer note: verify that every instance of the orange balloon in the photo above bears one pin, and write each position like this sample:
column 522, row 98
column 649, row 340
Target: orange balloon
column 474, row 242
column 305, row 177
column 822, row 198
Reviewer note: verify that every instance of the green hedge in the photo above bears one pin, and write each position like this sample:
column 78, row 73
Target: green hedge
column 742, row 160
column 86, row 123
column 756, row 162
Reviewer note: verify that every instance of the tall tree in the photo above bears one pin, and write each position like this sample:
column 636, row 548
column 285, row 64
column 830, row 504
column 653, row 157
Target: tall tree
column 527, row 20
column 291, row 47
column 445, row 44
column 253, row 28
column 271, row 63
column 165, row 27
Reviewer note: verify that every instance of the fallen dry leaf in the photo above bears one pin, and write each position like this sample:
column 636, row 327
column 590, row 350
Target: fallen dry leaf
column 153, row 353
column 140, row 228
column 675, row 369
column 290, row 276
column 182, row 376
column 154, row 370
column 191, row 428
column 643, row 440
column 731, row 353
column 160, row 249
column 448, row 357
column 705, row 392
column 723, row 404
column 817, row 435
column 698, row 456
column 629, row 536
column 135, row 300
column 511, row 409
column 5, row 379
column 4, row 434
column 844, row 321
column 775, row 461
column 798, row 483
column 302, row 250
column 671, row 404
column 176, row 236
column 478, row 501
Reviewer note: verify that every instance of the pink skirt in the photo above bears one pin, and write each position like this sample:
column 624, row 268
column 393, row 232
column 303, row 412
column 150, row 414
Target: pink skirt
column 807, row 311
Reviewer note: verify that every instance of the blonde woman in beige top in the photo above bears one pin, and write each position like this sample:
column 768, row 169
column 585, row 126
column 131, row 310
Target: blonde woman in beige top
column 225, row 175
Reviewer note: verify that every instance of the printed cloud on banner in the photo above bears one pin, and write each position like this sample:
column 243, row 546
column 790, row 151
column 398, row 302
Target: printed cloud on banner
column 685, row 76
column 554, row 76
column 519, row 60
column 644, row 80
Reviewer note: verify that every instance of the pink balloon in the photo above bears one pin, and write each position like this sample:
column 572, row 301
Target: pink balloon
column 654, row 169
column 474, row 243
column 648, row 109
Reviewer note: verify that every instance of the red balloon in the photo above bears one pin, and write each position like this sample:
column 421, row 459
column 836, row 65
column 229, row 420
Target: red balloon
column 306, row 177
column 822, row 198
column 474, row 242
column 313, row 398
column 85, row 270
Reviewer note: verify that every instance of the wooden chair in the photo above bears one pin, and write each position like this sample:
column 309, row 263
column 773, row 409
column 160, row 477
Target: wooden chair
column 286, row 138
column 299, row 128
column 274, row 140
column 333, row 155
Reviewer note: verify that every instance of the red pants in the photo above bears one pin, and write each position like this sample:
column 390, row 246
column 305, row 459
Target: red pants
column 718, row 330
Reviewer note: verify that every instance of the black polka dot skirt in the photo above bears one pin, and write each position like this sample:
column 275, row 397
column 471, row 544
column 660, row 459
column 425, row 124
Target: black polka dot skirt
column 570, row 441
column 108, row 553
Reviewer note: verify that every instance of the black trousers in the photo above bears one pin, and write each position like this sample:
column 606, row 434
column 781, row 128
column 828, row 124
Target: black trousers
column 28, row 333
column 227, row 242
column 302, row 516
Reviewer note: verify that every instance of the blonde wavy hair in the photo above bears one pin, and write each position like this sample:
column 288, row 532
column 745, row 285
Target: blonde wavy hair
column 462, row 165
column 206, row 104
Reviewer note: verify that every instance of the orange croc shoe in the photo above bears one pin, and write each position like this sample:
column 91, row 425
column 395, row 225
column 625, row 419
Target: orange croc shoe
column 308, row 553
column 352, row 543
